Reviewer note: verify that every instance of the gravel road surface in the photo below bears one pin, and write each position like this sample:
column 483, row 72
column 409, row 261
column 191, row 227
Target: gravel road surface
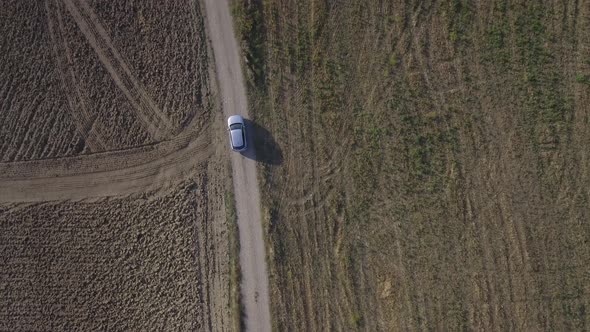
column 254, row 285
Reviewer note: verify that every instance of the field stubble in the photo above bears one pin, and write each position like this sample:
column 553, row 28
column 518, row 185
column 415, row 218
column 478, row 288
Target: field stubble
column 435, row 162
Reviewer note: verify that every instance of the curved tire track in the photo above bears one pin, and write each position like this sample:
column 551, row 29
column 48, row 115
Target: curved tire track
column 154, row 120
column 78, row 109
column 104, row 174
column 110, row 173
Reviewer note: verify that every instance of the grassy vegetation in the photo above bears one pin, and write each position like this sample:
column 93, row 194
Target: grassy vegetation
column 434, row 158
column 581, row 78
column 234, row 246
column 250, row 24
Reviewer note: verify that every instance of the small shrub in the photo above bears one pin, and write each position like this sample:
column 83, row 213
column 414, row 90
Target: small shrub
column 584, row 79
column 453, row 36
column 356, row 319
column 393, row 60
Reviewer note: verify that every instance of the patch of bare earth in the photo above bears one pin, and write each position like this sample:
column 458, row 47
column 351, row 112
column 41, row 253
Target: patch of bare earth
column 435, row 171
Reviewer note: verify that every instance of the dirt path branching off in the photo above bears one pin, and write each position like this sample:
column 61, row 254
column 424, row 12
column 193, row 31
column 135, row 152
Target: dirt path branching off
column 254, row 286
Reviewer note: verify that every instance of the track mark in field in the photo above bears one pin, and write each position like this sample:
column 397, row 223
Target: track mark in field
column 153, row 119
column 104, row 174
column 491, row 299
column 519, row 264
column 78, row 109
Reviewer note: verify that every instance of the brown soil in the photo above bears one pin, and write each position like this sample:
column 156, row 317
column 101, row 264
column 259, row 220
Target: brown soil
column 137, row 263
column 435, row 172
column 113, row 174
column 103, row 77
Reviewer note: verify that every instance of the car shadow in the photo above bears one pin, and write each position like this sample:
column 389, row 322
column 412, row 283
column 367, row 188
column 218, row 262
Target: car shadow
column 261, row 145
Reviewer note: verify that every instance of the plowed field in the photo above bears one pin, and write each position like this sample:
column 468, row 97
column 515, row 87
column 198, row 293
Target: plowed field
column 112, row 183
column 137, row 263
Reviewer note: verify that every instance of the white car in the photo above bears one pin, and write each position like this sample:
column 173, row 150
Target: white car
column 237, row 132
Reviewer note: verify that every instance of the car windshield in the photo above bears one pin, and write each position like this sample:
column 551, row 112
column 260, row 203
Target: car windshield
column 235, row 126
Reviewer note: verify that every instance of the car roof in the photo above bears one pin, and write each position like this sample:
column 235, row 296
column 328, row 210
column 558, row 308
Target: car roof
column 237, row 138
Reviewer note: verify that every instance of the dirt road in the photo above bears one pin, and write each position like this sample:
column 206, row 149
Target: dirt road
column 105, row 174
column 254, row 286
